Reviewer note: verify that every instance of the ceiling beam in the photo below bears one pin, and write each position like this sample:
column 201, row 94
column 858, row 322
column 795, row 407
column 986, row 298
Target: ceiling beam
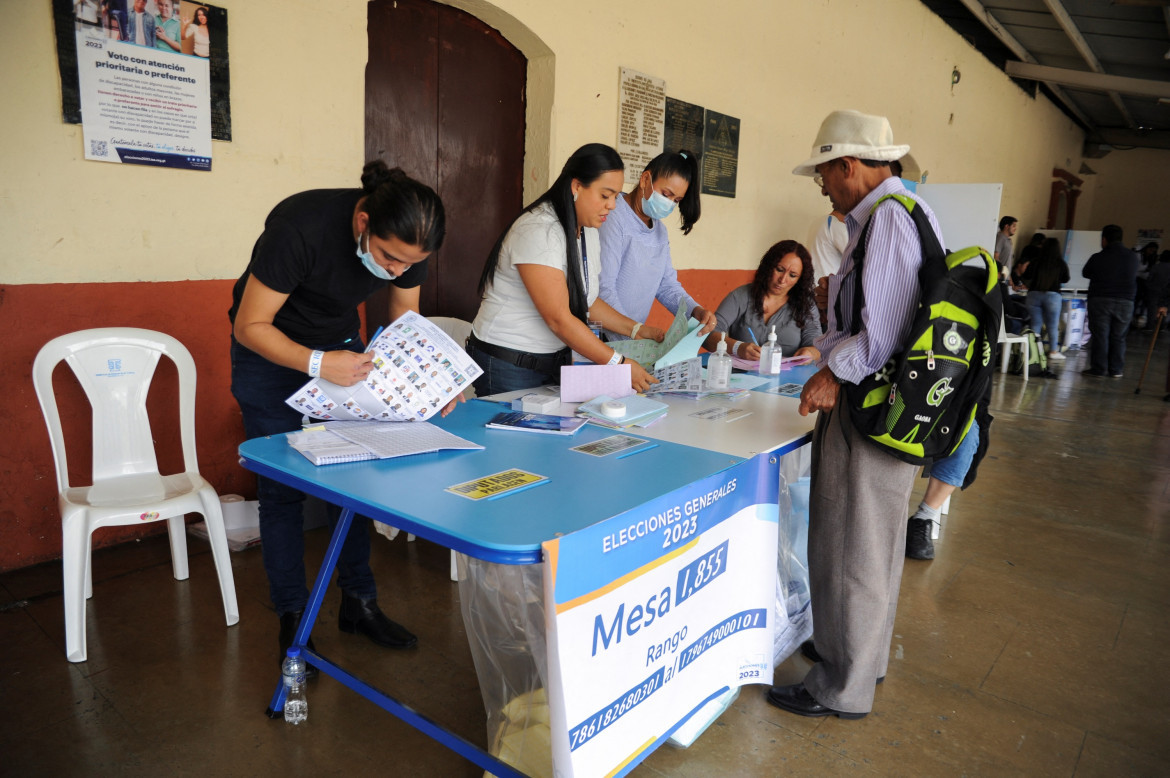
column 1006, row 38
column 1082, row 46
column 1093, row 82
column 1149, row 139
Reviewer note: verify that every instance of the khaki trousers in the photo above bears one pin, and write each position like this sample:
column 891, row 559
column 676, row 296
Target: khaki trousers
column 856, row 549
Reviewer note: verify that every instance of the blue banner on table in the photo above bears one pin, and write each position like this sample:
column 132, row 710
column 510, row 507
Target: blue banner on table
column 657, row 610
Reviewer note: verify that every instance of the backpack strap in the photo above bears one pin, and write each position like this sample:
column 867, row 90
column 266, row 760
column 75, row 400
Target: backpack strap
column 931, row 250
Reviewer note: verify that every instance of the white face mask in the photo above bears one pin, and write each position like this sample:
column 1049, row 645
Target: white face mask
column 657, row 206
column 368, row 260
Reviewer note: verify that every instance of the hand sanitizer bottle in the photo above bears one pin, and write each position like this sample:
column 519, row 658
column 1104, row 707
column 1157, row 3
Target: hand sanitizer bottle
column 770, row 355
column 719, row 366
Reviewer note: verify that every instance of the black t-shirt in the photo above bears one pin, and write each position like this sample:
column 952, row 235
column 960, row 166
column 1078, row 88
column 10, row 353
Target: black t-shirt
column 308, row 251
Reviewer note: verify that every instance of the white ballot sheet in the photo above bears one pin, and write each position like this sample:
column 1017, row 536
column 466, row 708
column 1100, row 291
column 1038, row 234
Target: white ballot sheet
column 418, row 369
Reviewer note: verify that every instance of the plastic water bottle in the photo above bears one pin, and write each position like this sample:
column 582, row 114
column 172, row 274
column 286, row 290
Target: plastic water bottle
column 771, row 355
column 719, row 366
column 296, row 706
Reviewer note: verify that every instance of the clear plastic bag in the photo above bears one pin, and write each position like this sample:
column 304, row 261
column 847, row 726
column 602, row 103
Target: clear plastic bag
column 793, row 609
column 503, row 612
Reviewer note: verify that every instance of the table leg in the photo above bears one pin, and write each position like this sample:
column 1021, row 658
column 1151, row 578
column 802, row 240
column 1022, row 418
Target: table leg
column 305, row 629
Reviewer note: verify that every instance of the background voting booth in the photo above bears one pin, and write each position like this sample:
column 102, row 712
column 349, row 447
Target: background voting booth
column 655, row 596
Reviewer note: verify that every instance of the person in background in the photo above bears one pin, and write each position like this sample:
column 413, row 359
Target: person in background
column 1156, row 286
column 1003, row 241
column 1027, row 254
column 196, row 28
column 140, row 25
column 1112, row 274
column 114, row 14
column 1143, row 315
column 541, row 281
column 635, row 249
column 857, row 505
column 295, row 315
column 166, row 27
column 1043, row 277
column 780, row 296
column 829, row 245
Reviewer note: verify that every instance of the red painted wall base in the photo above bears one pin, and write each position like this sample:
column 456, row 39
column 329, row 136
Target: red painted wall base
column 195, row 312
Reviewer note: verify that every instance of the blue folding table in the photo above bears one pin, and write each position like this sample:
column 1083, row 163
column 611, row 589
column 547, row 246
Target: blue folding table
column 409, row 493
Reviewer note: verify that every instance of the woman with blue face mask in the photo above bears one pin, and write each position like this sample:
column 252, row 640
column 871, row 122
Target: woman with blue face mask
column 295, row 315
column 635, row 248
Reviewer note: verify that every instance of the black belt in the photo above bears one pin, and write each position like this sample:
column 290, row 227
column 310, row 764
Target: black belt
column 541, row 363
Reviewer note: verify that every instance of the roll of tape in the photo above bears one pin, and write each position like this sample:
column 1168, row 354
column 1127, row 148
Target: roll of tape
column 232, row 507
column 613, row 409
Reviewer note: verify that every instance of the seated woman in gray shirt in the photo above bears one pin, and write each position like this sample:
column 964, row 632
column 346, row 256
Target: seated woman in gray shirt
column 781, row 295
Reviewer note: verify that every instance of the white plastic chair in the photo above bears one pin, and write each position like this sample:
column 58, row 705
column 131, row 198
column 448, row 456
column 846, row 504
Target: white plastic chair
column 114, row 366
column 1007, row 341
column 458, row 330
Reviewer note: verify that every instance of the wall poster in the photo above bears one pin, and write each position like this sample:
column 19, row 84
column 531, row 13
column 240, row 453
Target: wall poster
column 641, row 112
column 181, row 38
column 720, row 154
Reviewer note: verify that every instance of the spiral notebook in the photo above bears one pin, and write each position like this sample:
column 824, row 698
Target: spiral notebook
column 356, row 441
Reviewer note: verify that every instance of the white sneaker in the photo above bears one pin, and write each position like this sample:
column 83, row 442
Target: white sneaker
column 1056, row 355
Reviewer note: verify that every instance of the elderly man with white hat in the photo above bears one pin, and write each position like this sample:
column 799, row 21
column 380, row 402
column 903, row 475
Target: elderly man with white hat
column 857, row 522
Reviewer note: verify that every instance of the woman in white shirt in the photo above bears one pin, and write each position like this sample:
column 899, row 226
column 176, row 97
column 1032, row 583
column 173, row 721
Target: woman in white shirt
column 540, row 283
column 197, row 28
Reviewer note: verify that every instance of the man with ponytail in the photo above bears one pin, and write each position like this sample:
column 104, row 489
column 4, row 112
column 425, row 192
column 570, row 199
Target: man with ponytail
column 295, row 314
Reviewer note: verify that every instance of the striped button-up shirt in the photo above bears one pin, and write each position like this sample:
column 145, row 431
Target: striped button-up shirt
column 890, row 280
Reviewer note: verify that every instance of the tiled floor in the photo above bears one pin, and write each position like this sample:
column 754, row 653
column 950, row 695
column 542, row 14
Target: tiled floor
column 1032, row 645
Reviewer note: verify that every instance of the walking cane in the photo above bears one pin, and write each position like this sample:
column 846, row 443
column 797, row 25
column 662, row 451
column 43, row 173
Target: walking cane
column 1149, row 353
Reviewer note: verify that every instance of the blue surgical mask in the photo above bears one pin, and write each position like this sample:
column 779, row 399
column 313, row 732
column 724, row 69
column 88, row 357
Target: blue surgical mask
column 658, row 206
column 368, row 260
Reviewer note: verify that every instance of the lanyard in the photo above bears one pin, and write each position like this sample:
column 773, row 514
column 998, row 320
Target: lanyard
column 585, row 263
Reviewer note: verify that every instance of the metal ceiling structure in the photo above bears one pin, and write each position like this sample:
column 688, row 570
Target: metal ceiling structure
column 1105, row 63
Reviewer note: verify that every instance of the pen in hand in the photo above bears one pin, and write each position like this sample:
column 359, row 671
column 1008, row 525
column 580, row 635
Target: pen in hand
column 754, row 338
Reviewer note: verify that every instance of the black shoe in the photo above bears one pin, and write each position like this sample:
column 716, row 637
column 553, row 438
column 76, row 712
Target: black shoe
column 1166, row 398
column 365, row 617
column 918, row 542
column 809, row 651
column 1093, row 373
column 796, row 699
column 288, row 630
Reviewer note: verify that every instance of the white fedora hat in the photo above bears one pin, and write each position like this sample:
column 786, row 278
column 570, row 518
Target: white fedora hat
column 852, row 134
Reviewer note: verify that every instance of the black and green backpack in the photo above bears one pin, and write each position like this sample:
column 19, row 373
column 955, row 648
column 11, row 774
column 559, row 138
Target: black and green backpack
column 920, row 405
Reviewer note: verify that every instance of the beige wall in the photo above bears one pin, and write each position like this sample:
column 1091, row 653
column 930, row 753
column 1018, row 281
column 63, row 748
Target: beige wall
column 297, row 123
column 1133, row 190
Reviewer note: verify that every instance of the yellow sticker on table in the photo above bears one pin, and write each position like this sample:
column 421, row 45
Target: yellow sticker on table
column 496, row 484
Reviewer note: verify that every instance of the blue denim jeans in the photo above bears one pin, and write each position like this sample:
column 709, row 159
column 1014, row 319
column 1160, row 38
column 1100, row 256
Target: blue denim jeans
column 499, row 375
column 953, row 469
column 261, row 387
column 1045, row 310
column 1109, row 319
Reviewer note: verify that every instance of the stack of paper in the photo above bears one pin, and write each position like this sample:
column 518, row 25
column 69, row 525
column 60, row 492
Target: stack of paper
column 636, row 411
column 535, row 422
column 754, row 364
column 685, row 379
column 355, row 441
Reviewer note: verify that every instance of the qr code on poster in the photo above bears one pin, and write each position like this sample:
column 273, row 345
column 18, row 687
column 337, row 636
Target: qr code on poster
column 99, row 148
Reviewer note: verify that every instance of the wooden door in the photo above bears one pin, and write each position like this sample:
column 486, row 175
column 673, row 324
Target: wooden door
column 445, row 102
